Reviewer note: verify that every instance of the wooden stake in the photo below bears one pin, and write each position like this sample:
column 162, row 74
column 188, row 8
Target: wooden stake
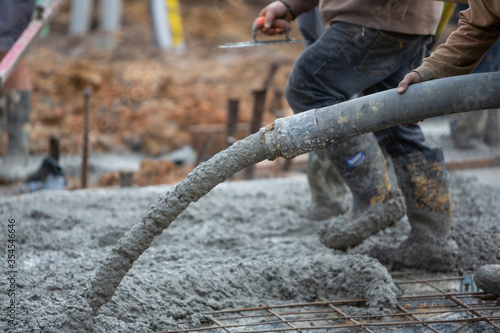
column 272, row 71
column 85, row 150
column 203, row 151
column 54, row 148
column 232, row 120
column 277, row 103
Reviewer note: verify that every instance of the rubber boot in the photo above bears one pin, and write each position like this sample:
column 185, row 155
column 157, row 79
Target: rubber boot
column 423, row 179
column 468, row 129
column 328, row 190
column 492, row 135
column 14, row 162
column 375, row 206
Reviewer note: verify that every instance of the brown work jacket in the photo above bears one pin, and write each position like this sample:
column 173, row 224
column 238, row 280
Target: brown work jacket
column 478, row 31
column 420, row 17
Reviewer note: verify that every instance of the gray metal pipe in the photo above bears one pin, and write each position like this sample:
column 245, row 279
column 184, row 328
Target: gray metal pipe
column 315, row 129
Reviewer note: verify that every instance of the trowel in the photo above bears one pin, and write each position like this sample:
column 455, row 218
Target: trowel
column 259, row 23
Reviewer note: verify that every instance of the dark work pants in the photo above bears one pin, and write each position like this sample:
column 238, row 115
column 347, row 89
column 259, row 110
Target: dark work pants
column 349, row 59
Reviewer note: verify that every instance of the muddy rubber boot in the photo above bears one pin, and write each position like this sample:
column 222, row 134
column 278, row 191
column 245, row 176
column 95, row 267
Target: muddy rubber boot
column 329, row 194
column 423, row 179
column 487, row 278
column 14, row 162
column 375, row 206
column 492, row 135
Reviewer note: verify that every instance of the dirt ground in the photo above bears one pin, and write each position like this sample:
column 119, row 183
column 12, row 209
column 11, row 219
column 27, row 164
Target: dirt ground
column 243, row 244
column 144, row 100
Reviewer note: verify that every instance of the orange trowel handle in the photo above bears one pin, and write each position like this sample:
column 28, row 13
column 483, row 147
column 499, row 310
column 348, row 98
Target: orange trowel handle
column 277, row 23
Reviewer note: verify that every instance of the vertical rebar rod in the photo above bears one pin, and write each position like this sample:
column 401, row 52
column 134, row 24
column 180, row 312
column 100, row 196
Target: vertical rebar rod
column 85, row 150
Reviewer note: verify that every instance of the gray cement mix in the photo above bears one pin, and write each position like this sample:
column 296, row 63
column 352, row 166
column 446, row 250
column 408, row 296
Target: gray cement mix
column 165, row 209
column 242, row 243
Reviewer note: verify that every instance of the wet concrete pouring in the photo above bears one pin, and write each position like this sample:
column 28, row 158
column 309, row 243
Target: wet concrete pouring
column 243, row 244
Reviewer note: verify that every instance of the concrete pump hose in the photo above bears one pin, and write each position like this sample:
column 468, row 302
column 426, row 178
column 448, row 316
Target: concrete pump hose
column 290, row 137
column 315, row 129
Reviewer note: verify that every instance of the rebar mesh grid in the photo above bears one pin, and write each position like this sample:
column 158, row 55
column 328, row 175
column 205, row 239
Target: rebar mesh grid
column 428, row 305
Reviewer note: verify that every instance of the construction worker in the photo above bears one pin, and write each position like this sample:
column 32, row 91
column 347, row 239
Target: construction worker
column 478, row 31
column 367, row 47
column 15, row 95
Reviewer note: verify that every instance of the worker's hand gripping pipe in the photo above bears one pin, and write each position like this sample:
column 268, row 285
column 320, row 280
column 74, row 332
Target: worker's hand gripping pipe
column 315, row 129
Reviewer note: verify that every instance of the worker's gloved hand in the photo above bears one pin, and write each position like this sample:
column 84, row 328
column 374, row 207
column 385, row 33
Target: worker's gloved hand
column 410, row 78
column 274, row 10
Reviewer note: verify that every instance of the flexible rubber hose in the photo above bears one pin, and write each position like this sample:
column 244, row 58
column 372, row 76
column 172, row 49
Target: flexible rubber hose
column 315, row 129
column 290, row 137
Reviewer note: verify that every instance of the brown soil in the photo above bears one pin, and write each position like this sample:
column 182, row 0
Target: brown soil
column 142, row 98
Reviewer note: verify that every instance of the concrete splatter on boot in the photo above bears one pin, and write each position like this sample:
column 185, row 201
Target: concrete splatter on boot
column 423, row 179
column 329, row 194
column 14, row 162
column 375, row 205
column 487, row 278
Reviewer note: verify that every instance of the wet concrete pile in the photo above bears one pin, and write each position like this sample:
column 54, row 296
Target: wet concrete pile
column 241, row 244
